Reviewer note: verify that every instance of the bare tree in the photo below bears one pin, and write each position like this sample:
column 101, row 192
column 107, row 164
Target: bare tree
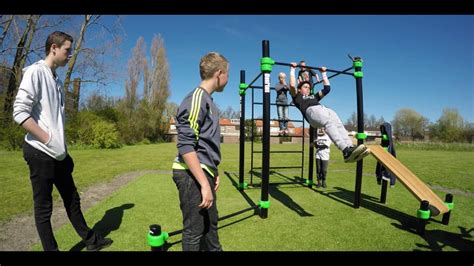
column 157, row 86
column 161, row 76
column 230, row 113
column 135, row 68
column 88, row 58
column 23, row 47
column 7, row 22
column 77, row 49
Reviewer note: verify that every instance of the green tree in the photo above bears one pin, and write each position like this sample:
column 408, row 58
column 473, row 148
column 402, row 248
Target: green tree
column 450, row 127
column 409, row 123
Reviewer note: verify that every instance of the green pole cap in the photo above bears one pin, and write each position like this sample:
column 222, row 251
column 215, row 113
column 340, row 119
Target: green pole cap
column 385, row 137
column 425, row 215
column 357, row 63
column 361, row 136
column 243, row 88
column 308, row 182
column 358, row 74
column 157, row 241
column 266, row 64
column 264, row 204
column 450, row 205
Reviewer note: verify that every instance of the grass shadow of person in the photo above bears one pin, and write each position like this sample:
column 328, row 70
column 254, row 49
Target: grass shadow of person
column 346, row 197
column 437, row 240
column 168, row 244
column 111, row 221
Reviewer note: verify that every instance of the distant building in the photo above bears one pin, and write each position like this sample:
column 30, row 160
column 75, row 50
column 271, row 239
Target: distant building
column 230, row 131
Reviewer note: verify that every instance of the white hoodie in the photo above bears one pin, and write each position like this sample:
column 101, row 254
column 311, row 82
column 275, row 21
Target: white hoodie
column 41, row 97
column 324, row 154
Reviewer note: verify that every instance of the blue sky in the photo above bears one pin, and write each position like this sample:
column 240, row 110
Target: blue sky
column 423, row 62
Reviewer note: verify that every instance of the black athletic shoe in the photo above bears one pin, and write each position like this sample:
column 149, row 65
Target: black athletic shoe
column 100, row 244
column 352, row 153
column 324, row 184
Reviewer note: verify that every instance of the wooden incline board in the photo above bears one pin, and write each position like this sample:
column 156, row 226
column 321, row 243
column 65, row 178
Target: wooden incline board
column 419, row 189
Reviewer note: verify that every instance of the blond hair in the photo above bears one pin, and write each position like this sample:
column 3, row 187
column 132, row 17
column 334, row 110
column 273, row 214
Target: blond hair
column 211, row 63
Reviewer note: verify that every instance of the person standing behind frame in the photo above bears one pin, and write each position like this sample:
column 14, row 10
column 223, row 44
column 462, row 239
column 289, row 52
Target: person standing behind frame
column 323, row 150
column 282, row 89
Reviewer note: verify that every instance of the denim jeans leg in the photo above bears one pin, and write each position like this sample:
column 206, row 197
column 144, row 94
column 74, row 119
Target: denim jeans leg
column 41, row 176
column 211, row 219
column 285, row 116
column 67, row 189
column 197, row 223
column 281, row 116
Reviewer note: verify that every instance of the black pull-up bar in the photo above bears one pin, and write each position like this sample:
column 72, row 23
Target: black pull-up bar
column 341, row 72
column 318, row 68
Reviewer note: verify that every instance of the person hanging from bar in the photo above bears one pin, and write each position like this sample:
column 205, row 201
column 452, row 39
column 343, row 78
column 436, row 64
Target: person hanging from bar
column 319, row 115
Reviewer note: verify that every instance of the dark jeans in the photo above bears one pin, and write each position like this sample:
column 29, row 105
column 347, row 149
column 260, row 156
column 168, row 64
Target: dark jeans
column 44, row 172
column 199, row 225
column 321, row 168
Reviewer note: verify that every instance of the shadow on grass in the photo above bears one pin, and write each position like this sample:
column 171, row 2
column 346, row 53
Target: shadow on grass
column 276, row 193
column 111, row 221
column 167, row 245
column 437, row 240
column 344, row 196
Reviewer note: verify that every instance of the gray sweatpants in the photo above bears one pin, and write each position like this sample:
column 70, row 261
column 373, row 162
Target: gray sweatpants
column 321, row 116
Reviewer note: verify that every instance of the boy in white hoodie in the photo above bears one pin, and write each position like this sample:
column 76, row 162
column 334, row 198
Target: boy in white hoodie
column 39, row 109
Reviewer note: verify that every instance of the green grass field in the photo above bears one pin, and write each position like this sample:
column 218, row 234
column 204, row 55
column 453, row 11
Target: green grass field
column 299, row 218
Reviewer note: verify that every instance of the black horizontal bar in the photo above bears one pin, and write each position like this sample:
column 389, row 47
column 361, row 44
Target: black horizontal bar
column 281, row 167
column 280, row 151
column 289, row 120
column 311, row 67
column 260, row 87
column 287, row 136
column 260, row 103
column 342, row 72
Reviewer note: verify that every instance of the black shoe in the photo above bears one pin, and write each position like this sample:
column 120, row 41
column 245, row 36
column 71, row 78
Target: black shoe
column 324, row 184
column 100, row 244
column 318, row 185
column 352, row 153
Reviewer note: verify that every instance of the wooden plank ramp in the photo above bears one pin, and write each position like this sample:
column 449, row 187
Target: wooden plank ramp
column 419, row 189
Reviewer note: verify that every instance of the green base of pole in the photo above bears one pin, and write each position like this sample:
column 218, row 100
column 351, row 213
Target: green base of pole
column 243, row 185
column 264, row 204
column 425, row 215
column 157, row 241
